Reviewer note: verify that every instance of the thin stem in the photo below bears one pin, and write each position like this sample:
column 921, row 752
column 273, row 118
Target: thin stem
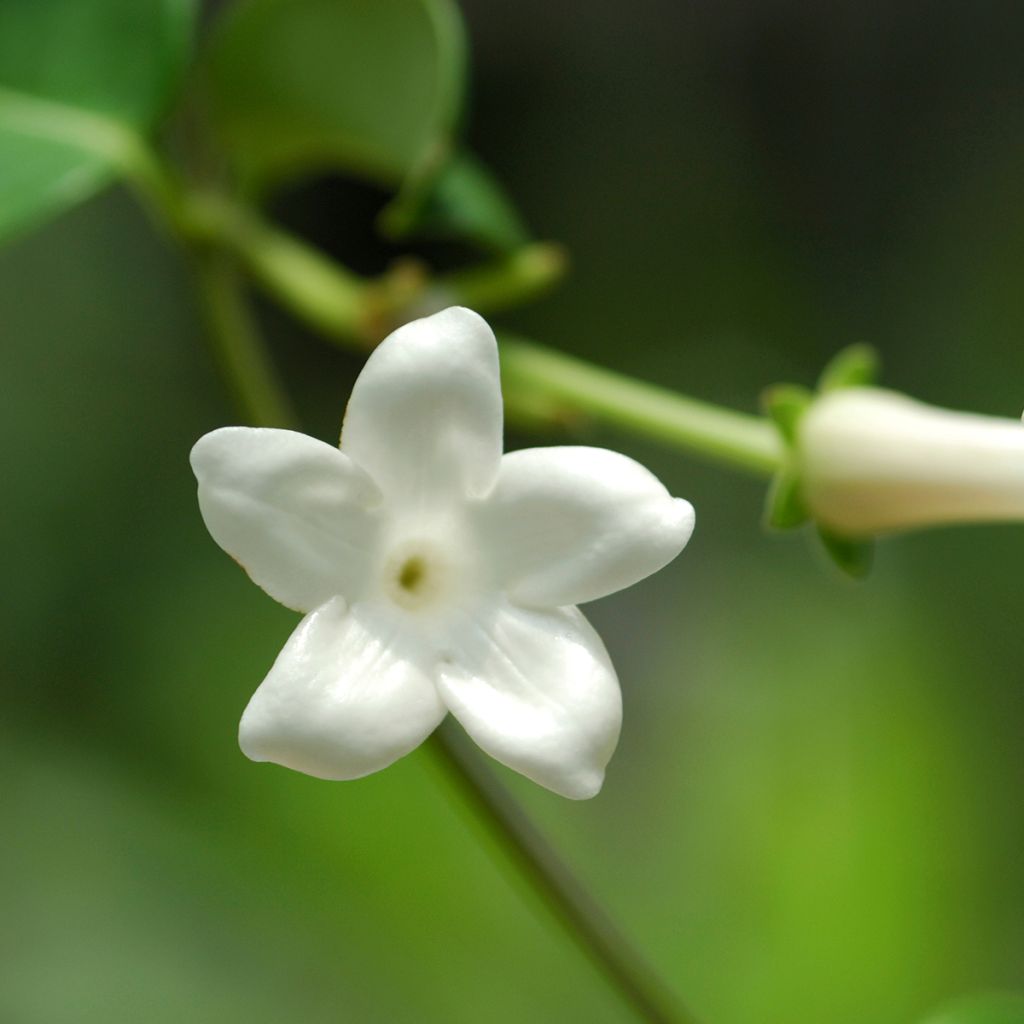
column 539, row 383
column 504, row 283
column 557, row 386
column 583, row 920
column 333, row 299
column 236, row 345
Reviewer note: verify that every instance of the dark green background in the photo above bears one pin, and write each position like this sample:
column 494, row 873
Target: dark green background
column 815, row 813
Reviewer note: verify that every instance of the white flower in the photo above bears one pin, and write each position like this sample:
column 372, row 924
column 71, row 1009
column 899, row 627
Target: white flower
column 435, row 573
column 873, row 461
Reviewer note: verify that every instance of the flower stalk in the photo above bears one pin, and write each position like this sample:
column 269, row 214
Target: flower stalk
column 244, row 362
column 541, row 385
column 332, row 299
column 566, row 388
column 590, row 928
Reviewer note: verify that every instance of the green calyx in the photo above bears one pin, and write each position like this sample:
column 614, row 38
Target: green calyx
column 785, row 405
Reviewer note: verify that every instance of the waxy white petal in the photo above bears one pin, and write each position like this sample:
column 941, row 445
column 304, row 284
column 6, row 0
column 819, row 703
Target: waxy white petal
column 295, row 512
column 537, row 691
column 425, row 417
column 350, row 693
column 568, row 525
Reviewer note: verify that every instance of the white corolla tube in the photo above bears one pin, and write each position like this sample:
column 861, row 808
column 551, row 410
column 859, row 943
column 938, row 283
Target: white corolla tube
column 874, row 461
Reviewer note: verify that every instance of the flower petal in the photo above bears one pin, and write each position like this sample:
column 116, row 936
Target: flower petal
column 567, row 525
column 537, row 691
column 425, row 417
column 294, row 511
column 350, row 693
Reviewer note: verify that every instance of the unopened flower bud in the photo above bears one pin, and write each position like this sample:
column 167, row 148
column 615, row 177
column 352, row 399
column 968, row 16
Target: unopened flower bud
column 873, row 461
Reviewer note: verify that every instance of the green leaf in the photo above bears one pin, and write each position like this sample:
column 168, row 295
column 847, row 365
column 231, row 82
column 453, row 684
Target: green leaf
column 78, row 80
column 785, row 405
column 854, row 367
column 851, row 555
column 370, row 87
column 989, row 1008
column 785, row 508
column 463, row 201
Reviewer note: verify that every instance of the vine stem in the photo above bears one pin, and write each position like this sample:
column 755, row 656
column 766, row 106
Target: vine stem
column 558, row 386
column 568, row 901
column 541, row 385
column 241, row 356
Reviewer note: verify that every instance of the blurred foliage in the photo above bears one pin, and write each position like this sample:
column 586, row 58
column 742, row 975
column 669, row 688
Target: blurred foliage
column 373, row 87
column 814, row 814
column 62, row 63
column 370, row 89
column 460, row 200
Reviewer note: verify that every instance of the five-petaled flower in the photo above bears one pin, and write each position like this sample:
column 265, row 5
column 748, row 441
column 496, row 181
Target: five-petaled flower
column 435, row 573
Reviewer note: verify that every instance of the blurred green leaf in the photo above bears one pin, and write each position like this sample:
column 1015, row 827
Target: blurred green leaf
column 73, row 76
column 371, row 87
column 463, row 201
column 989, row 1008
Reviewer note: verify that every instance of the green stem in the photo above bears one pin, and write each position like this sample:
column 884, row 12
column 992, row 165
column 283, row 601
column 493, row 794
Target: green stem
column 347, row 308
column 503, row 283
column 557, row 386
column 554, row 883
column 332, row 299
column 236, row 345
column 539, row 383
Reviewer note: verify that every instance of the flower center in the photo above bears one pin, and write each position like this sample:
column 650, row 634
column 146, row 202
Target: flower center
column 418, row 577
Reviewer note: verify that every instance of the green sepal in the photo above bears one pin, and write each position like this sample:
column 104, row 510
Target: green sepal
column 856, row 366
column 785, row 405
column 852, row 555
column 785, row 508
